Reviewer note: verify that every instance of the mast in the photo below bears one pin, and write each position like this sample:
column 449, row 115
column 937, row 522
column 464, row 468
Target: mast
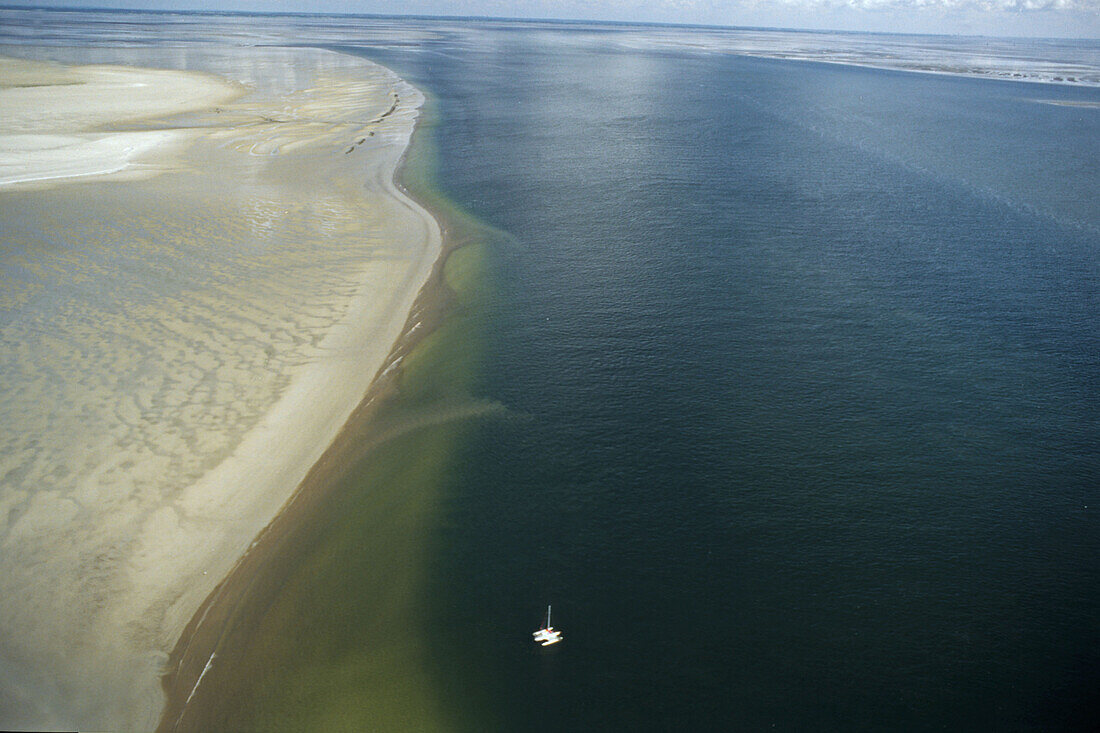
column 548, row 617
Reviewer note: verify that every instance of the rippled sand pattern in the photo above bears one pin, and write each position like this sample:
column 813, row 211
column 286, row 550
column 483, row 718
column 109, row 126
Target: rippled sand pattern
column 160, row 342
column 147, row 328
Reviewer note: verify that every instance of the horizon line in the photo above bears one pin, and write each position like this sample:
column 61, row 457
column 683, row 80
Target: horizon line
column 514, row 19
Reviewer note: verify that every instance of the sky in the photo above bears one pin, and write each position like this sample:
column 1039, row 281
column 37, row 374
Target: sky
column 1050, row 18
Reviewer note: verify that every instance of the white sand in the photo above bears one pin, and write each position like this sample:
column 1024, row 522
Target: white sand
column 50, row 116
column 177, row 351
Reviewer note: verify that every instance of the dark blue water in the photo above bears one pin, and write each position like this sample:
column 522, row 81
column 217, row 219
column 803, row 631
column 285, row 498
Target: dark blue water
column 805, row 361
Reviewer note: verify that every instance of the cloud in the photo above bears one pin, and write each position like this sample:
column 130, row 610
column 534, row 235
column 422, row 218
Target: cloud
column 1007, row 6
column 691, row 7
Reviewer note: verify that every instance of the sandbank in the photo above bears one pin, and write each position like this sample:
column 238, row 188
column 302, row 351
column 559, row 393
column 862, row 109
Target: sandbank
column 52, row 116
column 201, row 285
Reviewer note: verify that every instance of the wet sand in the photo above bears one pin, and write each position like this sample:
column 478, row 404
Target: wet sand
column 183, row 336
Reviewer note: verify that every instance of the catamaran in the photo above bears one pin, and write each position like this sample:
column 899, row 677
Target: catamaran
column 547, row 635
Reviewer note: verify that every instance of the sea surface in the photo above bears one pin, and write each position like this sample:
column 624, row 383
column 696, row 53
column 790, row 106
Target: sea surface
column 799, row 369
column 809, row 364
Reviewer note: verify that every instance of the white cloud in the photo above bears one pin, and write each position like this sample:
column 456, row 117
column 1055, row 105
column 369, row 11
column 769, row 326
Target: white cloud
column 1011, row 6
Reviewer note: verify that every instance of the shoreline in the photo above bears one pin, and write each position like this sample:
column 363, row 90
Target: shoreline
column 293, row 423
column 182, row 548
column 196, row 650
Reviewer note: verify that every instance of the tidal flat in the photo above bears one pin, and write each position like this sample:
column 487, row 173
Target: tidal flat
column 182, row 333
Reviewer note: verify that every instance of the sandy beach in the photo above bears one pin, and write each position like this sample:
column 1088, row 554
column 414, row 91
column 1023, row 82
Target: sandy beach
column 206, row 270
